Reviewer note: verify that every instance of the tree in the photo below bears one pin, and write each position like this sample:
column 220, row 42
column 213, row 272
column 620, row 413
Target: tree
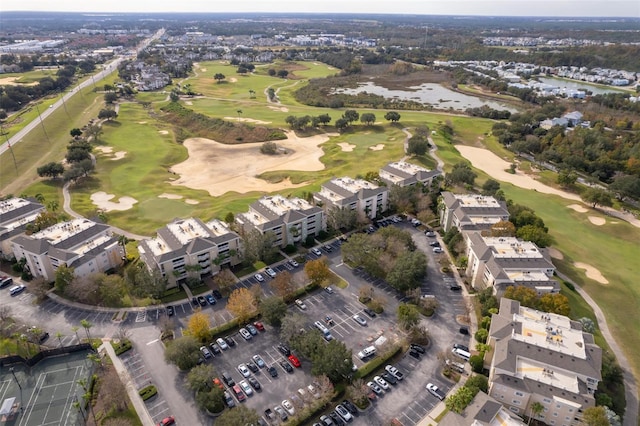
column 107, row 114
column 199, row 326
column 341, row 123
column 626, row 186
column 64, row 276
column 341, row 218
column 409, row 270
column 392, row 116
column 479, row 382
column 110, row 97
column 283, row 285
column 461, row 174
column 490, row 187
column 271, row 72
column 535, row 234
column 481, row 335
column 240, row 415
column 224, row 280
column 417, row 145
column 351, row 115
column 183, row 352
column 595, row 416
column 597, row 196
column 219, row 77
column 566, row 178
column 536, row 408
column 291, row 328
column 503, row 228
column 368, row 118
column 259, row 246
column 86, row 324
column 242, row 304
column 408, row 315
column 200, row 377
column 269, row 148
column 318, row 272
column 324, row 119
column 282, row 73
column 52, row 170
column 273, row 310
column 588, row 325
column 460, row 399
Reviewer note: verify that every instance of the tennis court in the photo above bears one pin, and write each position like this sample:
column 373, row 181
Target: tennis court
column 46, row 394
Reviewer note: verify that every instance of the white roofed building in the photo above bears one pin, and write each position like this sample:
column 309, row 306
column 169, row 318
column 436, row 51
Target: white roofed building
column 366, row 198
column 15, row 215
column 402, row 173
column 471, row 211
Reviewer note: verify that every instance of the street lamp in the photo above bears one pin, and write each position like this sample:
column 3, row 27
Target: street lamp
column 19, row 386
column 41, row 122
column 6, row 133
column 64, row 103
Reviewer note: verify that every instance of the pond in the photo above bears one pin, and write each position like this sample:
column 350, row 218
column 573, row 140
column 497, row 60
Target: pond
column 579, row 85
column 428, row 94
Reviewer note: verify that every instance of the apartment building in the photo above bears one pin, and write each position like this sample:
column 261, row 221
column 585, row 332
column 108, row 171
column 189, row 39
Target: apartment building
column 500, row 262
column 482, row 411
column 191, row 247
column 403, row 174
column 471, row 211
column 291, row 220
column 366, row 198
column 15, row 215
column 545, row 358
column 82, row 244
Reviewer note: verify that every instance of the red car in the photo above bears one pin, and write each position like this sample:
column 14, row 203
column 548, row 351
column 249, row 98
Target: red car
column 258, row 325
column 294, row 360
column 167, row 421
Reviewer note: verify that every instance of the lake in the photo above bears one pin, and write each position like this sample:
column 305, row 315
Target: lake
column 428, row 94
column 580, row 85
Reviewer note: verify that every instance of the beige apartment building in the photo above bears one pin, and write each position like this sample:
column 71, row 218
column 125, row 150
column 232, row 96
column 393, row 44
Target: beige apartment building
column 471, row 212
column 366, row 198
column 15, row 215
column 403, row 174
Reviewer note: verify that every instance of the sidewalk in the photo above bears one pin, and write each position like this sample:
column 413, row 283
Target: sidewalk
column 137, row 402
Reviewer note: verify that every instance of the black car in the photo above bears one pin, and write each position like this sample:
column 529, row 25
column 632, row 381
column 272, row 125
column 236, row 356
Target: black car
column 43, row 337
column 170, row 311
column 389, row 378
column 370, row 312
column 464, row 330
column 418, row 348
column 194, row 301
column 462, row 347
column 287, row 367
column 349, row 406
column 414, row 353
column 254, row 383
column 230, row 341
column 217, row 294
column 215, row 348
column 434, row 244
column 272, row 371
column 284, row 349
column 251, row 366
column 202, row 301
column 336, row 419
column 228, row 379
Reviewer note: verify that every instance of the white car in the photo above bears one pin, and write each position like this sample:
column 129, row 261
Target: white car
column 375, row 388
column 438, row 250
column 300, row 304
column 223, row 345
column 259, row 277
column 316, row 251
column 313, row 391
column 433, row 390
column 270, row 272
column 357, row 318
column 344, row 413
column 293, row 263
column 257, row 360
column 287, row 405
column 245, row 333
column 244, row 370
column 381, row 382
column 394, row 372
column 246, row 388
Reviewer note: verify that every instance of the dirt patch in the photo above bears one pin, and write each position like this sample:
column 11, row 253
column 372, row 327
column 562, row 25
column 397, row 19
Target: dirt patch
column 555, row 253
column 598, row 221
column 170, row 196
column 281, row 109
column 592, row 272
column 238, row 165
column 578, row 208
column 247, row 120
column 203, row 70
column 163, row 132
column 119, row 155
column 233, row 80
column 101, row 199
column 495, row 167
column 13, row 81
column 378, row 147
column 142, row 122
column 346, row 147
column 188, row 103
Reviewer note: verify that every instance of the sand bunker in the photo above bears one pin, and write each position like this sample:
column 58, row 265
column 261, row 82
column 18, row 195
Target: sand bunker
column 281, row 109
column 163, row 132
column 495, row 167
column 233, row 80
column 142, row 122
column 188, row 103
column 578, row 208
column 107, row 151
column 378, row 147
column 247, row 120
column 598, row 221
column 118, row 155
column 192, row 202
column 346, row 147
column 101, row 199
column 592, row 272
column 170, row 196
column 12, row 81
column 555, row 253
column 218, row 168
column 203, row 70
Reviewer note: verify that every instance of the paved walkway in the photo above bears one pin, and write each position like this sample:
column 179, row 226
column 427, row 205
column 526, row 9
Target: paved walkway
column 134, row 396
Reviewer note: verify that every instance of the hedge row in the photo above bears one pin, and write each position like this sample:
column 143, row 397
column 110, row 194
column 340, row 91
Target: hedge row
column 148, row 392
column 372, row 365
column 121, row 347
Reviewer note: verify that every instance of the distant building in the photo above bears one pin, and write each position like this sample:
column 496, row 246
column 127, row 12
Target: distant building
column 471, row 212
column 291, row 220
column 82, row 244
column 402, row 173
column 191, row 247
column 366, row 198
column 544, row 358
column 482, row 411
column 15, row 215
column 500, row 262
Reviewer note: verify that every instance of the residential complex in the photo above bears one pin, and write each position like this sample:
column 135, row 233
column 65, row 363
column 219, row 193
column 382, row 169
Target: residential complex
column 471, row 212
column 500, row 262
column 15, row 215
column 82, row 244
column 544, row 358
column 190, row 247
column 402, row 173
column 366, row 198
column 482, row 411
column 290, row 220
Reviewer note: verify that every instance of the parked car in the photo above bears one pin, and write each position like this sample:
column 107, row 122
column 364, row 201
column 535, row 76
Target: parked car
column 329, row 289
column 418, row 348
column 394, row 372
column 286, row 366
column 370, row 312
column 259, row 277
column 257, row 360
column 239, row 393
column 202, row 301
column 430, row 234
column 456, row 366
column 230, row 341
column 223, row 345
column 251, row 366
column 460, row 346
column 434, row 244
column 357, row 318
column 217, row 294
column 375, row 388
column 17, row 289
column 272, row 371
column 244, row 370
column 293, row 263
column 326, row 420
column 414, row 353
column 455, row 287
column 228, row 399
column 284, row 349
column 381, row 382
column 5, row 281
column 167, row 421
column 435, row 391
column 389, row 378
column 245, row 333
column 254, row 383
column 205, row 352
column 280, row 411
column 287, row 405
column 252, row 329
column 270, row 272
column 258, row 325
column 350, row 406
column 344, row 413
column 246, row 388
column 328, row 249
column 226, row 377
column 210, row 299
column 300, row 304
column 313, row 390
column 170, row 311
column 464, row 330
column 336, row 419
column 315, row 251
column 194, row 301
column 438, row 250
column 294, row 360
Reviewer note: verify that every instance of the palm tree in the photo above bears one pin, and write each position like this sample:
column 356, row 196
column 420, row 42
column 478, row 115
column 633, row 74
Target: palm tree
column 87, row 325
column 239, row 112
column 75, row 330
column 536, row 408
column 252, row 93
column 59, row 336
column 52, row 205
column 39, row 197
column 122, row 240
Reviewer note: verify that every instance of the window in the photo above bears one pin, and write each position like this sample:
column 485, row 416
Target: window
column 514, row 409
column 519, row 394
column 516, row 401
column 547, row 400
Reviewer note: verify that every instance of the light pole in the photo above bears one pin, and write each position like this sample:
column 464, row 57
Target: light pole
column 19, row 386
column 64, row 104
column 15, row 164
column 41, row 122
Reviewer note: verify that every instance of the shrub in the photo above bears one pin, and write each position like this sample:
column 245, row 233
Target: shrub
column 477, row 363
column 148, row 392
column 482, row 335
column 121, row 347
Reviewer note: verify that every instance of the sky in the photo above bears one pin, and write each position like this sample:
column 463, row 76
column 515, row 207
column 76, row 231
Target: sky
column 558, row 8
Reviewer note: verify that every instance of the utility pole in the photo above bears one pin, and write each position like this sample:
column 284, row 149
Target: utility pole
column 15, row 164
column 19, row 386
column 42, row 122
